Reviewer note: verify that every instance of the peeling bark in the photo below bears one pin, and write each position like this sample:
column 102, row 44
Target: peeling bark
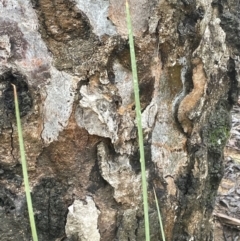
column 71, row 64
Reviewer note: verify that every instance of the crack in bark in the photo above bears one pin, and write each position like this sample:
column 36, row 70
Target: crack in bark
column 11, row 136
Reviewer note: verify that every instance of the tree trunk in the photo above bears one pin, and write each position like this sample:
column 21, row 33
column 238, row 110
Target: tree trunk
column 70, row 61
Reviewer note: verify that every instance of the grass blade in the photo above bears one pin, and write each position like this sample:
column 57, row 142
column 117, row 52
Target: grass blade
column 159, row 216
column 24, row 168
column 139, row 123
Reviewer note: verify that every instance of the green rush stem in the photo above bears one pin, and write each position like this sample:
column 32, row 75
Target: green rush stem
column 159, row 216
column 139, row 123
column 24, row 168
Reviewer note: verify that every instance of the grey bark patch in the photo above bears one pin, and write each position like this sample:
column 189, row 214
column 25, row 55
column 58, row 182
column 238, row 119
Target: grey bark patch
column 82, row 220
column 116, row 169
column 97, row 12
column 128, row 225
column 58, row 104
column 97, row 113
column 17, row 41
column 230, row 24
column 131, row 226
column 5, row 47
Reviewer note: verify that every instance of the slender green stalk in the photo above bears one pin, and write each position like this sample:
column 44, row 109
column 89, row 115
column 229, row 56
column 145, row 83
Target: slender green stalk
column 139, row 123
column 159, row 216
column 24, row 168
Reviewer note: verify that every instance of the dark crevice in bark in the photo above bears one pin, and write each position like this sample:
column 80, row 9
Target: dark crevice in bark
column 12, row 146
column 24, row 97
column 97, row 181
column 234, row 90
column 50, row 208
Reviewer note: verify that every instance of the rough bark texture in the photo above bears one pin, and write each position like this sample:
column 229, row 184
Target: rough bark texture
column 70, row 61
column 227, row 206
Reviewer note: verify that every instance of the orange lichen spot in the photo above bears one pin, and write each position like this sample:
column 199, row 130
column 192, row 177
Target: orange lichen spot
column 37, row 62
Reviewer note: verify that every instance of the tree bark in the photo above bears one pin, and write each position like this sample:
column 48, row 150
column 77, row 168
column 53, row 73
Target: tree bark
column 70, row 62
